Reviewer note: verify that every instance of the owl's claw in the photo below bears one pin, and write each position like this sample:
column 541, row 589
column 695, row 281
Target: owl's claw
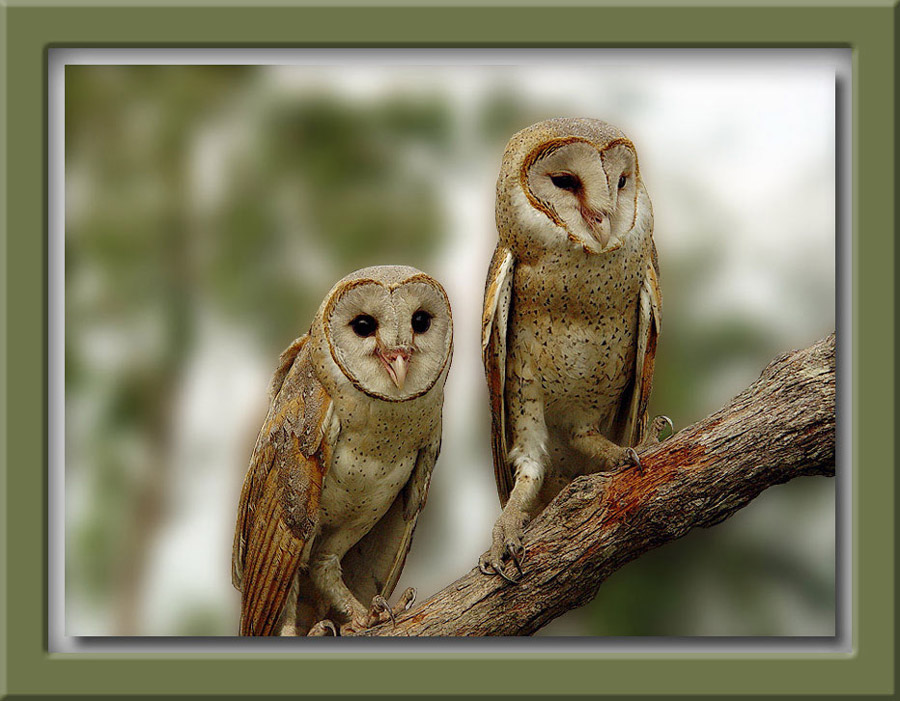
column 407, row 599
column 517, row 557
column 511, row 580
column 630, row 458
column 322, row 628
column 658, row 424
column 379, row 606
column 493, row 566
column 404, row 603
column 507, row 544
column 632, row 453
column 380, row 611
column 627, row 458
column 671, row 425
column 654, row 431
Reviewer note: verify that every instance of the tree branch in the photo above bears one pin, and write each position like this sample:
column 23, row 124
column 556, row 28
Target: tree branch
column 781, row 427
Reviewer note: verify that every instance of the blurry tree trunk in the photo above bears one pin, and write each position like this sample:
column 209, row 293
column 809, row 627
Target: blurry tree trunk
column 781, row 427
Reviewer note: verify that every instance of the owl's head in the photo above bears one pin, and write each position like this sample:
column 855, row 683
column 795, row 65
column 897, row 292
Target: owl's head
column 570, row 182
column 389, row 331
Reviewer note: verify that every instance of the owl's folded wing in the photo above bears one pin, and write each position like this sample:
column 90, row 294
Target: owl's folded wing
column 280, row 497
column 649, row 320
column 494, row 325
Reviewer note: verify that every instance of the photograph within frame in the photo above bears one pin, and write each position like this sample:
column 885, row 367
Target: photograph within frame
column 59, row 58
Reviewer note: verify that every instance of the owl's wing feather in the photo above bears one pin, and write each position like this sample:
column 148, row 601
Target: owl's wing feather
column 413, row 498
column 272, row 557
column 280, row 497
column 494, row 327
column 374, row 564
column 649, row 321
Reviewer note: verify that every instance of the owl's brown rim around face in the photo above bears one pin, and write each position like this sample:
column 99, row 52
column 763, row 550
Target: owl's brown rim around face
column 553, row 144
column 329, row 307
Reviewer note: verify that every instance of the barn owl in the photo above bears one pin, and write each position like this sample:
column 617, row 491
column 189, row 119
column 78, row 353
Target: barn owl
column 571, row 317
column 342, row 464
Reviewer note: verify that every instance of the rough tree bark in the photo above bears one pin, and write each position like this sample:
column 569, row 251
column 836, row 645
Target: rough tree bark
column 781, row 427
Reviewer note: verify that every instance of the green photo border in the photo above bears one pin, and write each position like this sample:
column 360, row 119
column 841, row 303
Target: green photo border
column 30, row 29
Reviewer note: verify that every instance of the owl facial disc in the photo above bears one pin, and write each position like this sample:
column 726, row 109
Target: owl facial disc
column 389, row 334
column 588, row 190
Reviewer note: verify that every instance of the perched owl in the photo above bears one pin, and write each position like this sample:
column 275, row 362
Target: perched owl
column 571, row 317
column 342, row 464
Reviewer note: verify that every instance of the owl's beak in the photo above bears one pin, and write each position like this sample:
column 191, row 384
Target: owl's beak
column 396, row 362
column 598, row 223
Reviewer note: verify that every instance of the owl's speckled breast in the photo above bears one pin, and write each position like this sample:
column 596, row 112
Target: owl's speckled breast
column 372, row 459
column 577, row 315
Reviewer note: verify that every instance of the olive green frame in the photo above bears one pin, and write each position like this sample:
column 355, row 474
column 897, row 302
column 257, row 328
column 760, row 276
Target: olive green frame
column 29, row 29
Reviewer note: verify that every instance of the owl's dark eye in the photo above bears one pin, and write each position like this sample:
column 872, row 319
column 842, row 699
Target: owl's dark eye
column 566, row 181
column 421, row 321
column 364, row 325
column 622, row 180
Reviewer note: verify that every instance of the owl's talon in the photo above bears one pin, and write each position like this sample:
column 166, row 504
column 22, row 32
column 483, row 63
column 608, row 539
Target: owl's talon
column 628, row 458
column 381, row 611
column 322, row 628
column 517, row 557
column 498, row 568
column 671, row 425
column 636, row 461
column 493, row 566
column 484, row 564
column 407, row 599
column 380, row 606
column 506, row 544
column 657, row 426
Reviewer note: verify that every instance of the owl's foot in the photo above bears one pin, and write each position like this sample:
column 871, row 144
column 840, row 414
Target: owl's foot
column 404, row 603
column 628, row 457
column 321, row 629
column 655, row 431
column 380, row 611
column 609, row 456
column 507, row 543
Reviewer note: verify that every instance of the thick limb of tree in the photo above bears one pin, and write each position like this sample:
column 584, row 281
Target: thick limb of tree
column 781, row 427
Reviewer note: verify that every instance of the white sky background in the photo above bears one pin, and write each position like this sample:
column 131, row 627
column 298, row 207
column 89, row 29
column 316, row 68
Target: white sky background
column 749, row 133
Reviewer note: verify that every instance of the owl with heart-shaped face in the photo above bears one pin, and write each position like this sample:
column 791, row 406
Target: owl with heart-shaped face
column 342, row 464
column 571, row 317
